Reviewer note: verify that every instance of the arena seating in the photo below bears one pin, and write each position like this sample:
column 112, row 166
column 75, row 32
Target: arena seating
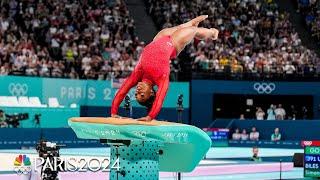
column 88, row 39
column 256, row 41
column 310, row 11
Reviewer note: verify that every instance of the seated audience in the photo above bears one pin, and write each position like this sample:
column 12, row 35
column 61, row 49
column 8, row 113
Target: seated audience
column 3, row 119
column 254, row 134
column 244, row 135
column 236, row 135
column 69, row 39
column 276, row 136
column 256, row 39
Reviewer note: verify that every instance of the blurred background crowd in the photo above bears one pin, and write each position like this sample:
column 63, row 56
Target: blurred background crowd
column 255, row 38
column 70, row 39
column 96, row 39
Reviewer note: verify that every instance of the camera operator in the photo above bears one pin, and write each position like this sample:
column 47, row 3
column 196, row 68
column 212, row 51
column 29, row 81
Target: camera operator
column 48, row 150
column 3, row 122
column 180, row 101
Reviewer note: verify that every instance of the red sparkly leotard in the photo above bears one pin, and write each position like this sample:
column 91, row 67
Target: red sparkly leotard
column 154, row 68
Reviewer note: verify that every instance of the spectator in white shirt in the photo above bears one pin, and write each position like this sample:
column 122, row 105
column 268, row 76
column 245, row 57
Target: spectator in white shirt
column 254, row 134
column 260, row 114
column 280, row 112
column 236, row 135
column 244, row 135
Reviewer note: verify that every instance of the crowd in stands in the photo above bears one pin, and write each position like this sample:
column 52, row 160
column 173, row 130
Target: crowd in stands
column 254, row 135
column 278, row 112
column 255, row 38
column 95, row 39
column 310, row 9
column 3, row 122
column 90, row 39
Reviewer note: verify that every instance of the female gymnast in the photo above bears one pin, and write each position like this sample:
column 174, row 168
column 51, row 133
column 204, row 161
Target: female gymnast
column 153, row 67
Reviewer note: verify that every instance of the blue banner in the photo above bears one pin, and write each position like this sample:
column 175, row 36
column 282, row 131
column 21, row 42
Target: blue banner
column 311, row 158
column 82, row 92
column 17, row 138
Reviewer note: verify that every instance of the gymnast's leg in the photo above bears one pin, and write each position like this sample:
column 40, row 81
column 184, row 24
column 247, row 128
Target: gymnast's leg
column 184, row 36
column 169, row 31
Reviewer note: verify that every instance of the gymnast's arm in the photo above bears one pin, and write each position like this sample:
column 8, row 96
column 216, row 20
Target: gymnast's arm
column 161, row 94
column 130, row 82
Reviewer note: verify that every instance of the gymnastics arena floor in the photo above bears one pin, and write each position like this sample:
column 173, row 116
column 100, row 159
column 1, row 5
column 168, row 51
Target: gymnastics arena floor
column 220, row 163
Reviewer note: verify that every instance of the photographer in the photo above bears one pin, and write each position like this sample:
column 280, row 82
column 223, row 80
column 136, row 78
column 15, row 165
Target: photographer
column 3, row 122
column 49, row 151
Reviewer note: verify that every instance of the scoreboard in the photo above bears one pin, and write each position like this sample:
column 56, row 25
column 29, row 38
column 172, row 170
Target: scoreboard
column 312, row 161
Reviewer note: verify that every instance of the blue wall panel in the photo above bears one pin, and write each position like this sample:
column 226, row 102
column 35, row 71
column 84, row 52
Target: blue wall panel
column 290, row 130
column 202, row 95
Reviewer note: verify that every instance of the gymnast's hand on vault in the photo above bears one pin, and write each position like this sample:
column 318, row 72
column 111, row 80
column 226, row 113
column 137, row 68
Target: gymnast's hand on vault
column 116, row 116
column 147, row 118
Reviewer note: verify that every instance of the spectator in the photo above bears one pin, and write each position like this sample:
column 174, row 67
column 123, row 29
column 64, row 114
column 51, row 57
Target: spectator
column 256, row 39
column 271, row 113
column 242, row 117
column 254, row 134
column 236, row 135
column 304, row 112
column 3, row 122
column 276, row 136
column 244, row 135
column 260, row 114
column 292, row 113
column 280, row 112
column 255, row 154
column 74, row 39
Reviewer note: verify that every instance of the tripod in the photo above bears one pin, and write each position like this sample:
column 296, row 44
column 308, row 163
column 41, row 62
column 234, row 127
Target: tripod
column 179, row 119
column 37, row 120
column 180, row 108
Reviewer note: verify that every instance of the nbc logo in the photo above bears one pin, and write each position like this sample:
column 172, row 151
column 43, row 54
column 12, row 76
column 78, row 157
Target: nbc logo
column 22, row 164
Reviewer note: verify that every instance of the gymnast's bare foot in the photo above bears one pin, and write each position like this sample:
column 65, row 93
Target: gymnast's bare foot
column 197, row 20
column 215, row 33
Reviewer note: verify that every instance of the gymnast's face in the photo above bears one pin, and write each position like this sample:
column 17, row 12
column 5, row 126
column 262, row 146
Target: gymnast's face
column 143, row 91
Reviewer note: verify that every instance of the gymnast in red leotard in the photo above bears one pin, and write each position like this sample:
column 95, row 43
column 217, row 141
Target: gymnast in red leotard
column 153, row 67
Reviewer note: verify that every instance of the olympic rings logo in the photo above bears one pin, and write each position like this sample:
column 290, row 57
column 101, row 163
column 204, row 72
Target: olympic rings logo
column 264, row 88
column 307, row 143
column 22, row 169
column 17, row 89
